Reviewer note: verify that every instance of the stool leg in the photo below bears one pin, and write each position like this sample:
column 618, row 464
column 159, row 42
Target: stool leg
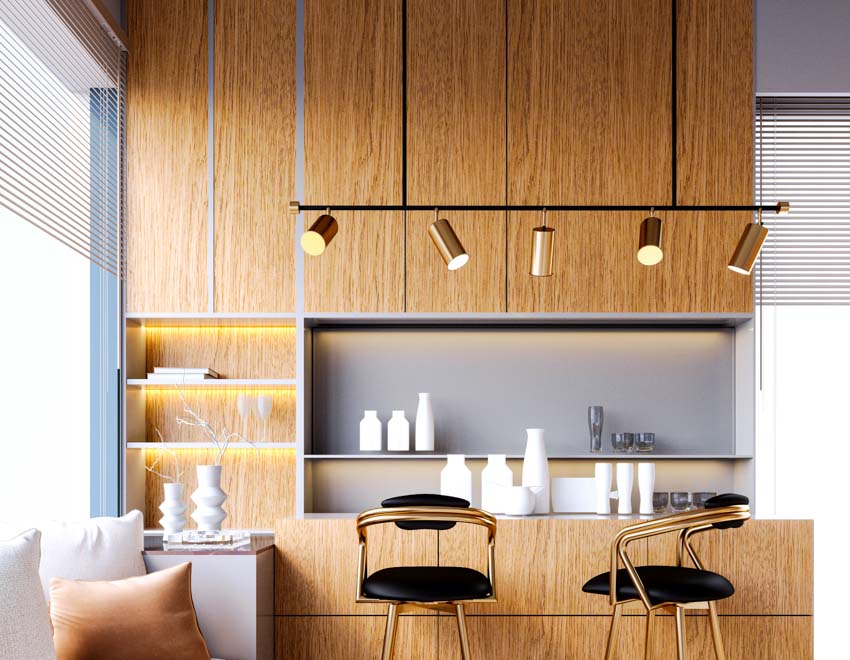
column 715, row 631
column 389, row 633
column 461, row 630
column 612, row 634
column 680, row 632
column 650, row 618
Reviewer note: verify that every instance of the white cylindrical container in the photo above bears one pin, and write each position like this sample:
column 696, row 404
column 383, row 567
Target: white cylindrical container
column 496, row 478
column 625, row 483
column 519, row 501
column 209, row 497
column 398, row 432
column 646, row 484
column 603, row 473
column 535, row 469
column 424, row 423
column 456, row 479
column 173, row 509
column 370, row 431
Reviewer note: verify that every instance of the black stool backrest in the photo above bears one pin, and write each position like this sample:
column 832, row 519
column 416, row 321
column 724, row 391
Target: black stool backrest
column 727, row 499
column 425, row 499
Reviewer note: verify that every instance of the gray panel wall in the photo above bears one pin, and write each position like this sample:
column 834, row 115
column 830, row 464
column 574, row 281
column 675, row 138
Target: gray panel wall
column 489, row 385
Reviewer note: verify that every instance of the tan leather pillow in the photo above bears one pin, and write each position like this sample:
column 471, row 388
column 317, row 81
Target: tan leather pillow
column 139, row 618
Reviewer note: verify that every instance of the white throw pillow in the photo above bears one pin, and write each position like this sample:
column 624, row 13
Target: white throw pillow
column 96, row 549
column 25, row 630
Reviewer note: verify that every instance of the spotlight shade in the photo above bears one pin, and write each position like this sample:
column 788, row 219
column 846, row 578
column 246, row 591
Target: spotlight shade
column 542, row 251
column 649, row 246
column 747, row 251
column 448, row 244
column 318, row 237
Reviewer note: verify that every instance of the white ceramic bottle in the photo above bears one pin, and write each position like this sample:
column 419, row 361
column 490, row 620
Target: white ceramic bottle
column 370, row 431
column 535, row 469
column 603, row 473
column 398, row 432
column 424, row 423
column 646, row 484
column 625, row 483
column 496, row 479
column 456, row 479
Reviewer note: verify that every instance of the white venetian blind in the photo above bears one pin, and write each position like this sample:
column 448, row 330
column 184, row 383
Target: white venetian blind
column 805, row 159
column 62, row 92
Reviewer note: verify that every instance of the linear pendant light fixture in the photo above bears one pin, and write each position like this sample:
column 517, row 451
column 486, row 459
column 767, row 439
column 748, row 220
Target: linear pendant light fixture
column 321, row 233
column 447, row 242
column 649, row 244
column 542, row 249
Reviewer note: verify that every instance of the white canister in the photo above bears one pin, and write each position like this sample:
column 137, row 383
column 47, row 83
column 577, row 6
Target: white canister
column 496, row 477
column 535, row 469
column 424, row 423
column 625, row 483
column 370, row 431
column 646, row 484
column 603, row 474
column 519, row 501
column 456, row 479
column 398, row 432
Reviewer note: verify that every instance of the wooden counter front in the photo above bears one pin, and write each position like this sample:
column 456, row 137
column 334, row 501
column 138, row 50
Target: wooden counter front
column 541, row 564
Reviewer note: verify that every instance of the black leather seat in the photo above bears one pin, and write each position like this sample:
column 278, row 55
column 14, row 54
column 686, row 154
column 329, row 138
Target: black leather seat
column 665, row 584
column 425, row 499
column 427, row 584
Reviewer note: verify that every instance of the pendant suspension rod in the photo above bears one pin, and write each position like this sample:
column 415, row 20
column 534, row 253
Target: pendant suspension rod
column 297, row 207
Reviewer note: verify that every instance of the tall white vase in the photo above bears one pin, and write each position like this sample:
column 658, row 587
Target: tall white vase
column 496, row 479
column 625, row 483
column 398, row 432
column 173, row 509
column 603, row 472
column 456, row 479
column 370, row 431
column 646, row 484
column 535, row 469
column 424, row 423
column 209, row 497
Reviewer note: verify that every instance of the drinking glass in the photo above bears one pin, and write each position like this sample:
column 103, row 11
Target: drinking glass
column 659, row 502
column 594, row 423
column 618, row 443
column 629, row 441
column 679, row 501
column 644, row 442
column 699, row 499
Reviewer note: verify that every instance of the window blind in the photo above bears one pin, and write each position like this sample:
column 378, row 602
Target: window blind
column 805, row 158
column 62, row 89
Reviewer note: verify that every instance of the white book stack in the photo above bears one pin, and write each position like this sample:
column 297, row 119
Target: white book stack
column 180, row 375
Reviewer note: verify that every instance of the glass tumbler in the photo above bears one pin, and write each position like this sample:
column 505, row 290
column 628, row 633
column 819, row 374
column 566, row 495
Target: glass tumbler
column 679, row 501
column 699, row 499
column 618, row 443
column 644, row 442
column 659, row 502
column 629, row 441
column 594, row 423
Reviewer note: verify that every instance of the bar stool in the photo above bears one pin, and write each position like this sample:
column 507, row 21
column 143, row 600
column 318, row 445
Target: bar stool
column 440, row 588
column 670, row 588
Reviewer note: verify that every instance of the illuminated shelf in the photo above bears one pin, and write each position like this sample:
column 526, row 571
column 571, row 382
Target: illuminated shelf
column 209, row 445
column 164, row 319
column 223, row 383
column 555, row 457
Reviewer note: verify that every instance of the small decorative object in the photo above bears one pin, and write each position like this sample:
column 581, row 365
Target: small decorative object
column 456, row 479
column 604, row 474
column 173, row 509
column 644, row 442
column 679, row 501
column 574, row 494
column 244, row 406
column 495, row 479
column 618, row 443
column 264, row 411
column 209, row 497
column 208, row 540
column 625, row 482
column 699, row 499
column 659, row 502
column 519, row 500
column 398, row 432
column 535, row 469
column 594, row 422
column 424, row 423
column 370, row 431
column 646, row 482
column 629, row 442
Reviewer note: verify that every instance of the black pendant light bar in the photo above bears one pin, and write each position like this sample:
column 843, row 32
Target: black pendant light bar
column 297, row 207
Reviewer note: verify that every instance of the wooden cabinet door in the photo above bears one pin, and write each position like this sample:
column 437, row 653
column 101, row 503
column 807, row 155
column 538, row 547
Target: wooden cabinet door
column 254, row 155
column 167, row 223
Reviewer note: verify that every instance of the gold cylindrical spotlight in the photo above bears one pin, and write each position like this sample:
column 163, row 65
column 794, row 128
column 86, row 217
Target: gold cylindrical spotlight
column 321, row 233
column 447, row 243
column 542, row 249
column 749, row 247
column 649, row 245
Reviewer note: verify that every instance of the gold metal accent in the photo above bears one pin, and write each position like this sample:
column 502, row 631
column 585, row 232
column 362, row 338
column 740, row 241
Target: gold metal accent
column 447, row 243
column 542, row 249
column 321, row 233
column 783, row 208
column 649, row 244
column 294, row 207
column 748, row 248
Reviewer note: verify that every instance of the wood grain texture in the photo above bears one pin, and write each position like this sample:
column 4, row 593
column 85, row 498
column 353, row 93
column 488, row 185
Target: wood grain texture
column 167, row 156
column 589, row 111
column 596, row 267
column 317, row 563
column 456, row 144
column 352, row 102
column 254, row 155
column 353, row 637
column 234, row 352
column 770, row 562
column 260, row 486
column 715, row 101
column 477, row 287
column 362, row 270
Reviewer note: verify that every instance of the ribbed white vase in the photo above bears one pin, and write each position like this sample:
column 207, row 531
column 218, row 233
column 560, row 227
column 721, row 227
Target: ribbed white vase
column 209, row 497
column 173, row 509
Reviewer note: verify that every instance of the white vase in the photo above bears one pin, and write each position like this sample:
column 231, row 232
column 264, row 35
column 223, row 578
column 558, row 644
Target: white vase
column 646, row 484
column 519, row 501
column 535, row 469
column 456, row 479
column 496, row 478
column 603, row 472
column 424, row 423
column 625, row 483
column 398, row 432
column 370, row 431
column 173, row 509
column 208, row 498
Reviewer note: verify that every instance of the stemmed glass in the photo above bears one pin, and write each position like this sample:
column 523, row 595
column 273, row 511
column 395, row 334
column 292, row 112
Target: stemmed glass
column 244, row 405
column 264, row 411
